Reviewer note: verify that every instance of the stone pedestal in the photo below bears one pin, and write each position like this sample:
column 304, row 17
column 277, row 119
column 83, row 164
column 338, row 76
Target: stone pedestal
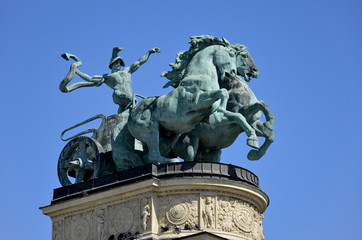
column 171, row 201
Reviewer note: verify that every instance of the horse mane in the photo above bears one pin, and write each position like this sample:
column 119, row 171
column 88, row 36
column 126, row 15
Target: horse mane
column 183, row 58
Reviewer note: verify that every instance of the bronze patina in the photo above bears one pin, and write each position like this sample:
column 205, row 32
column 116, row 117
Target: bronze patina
column 206, row 111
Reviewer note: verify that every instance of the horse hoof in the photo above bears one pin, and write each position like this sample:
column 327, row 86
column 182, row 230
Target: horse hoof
column 173, row 160
column 253, row 142
column 158, row 159
column 254, row 155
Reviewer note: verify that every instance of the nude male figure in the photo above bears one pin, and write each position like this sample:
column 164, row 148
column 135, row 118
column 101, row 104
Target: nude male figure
column 119, row 81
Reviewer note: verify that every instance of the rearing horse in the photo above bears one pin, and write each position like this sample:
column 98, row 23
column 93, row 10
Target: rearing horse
column 204, row 144
column 159, row 121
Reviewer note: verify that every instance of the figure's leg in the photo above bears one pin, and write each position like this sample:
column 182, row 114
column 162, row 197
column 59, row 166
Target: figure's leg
column 122, row 99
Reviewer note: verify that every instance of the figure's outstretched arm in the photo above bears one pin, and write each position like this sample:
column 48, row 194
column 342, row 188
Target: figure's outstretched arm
column 96, row 79
column 91, row 81
column 131, row 69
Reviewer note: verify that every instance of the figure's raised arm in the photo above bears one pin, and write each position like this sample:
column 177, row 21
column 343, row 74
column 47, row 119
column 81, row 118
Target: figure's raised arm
column 131, row 69
column 96, row 80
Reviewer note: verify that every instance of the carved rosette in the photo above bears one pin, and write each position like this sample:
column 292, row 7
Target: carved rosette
column 81, row 230
column 239, row 217
column 243, row 218
column 179, row 210
column 123, row 217
column 78, row 227
column 178, row 214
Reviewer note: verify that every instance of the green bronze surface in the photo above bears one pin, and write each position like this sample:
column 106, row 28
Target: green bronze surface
column 119, row 81
column 206, row 111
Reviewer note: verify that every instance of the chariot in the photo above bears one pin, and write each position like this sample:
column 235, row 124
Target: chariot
column 84, row 158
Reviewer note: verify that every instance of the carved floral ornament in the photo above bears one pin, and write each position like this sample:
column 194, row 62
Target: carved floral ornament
column 81, row 230
column 211, row 212
column 178, row 214
column 121, row 219
column 243, row 218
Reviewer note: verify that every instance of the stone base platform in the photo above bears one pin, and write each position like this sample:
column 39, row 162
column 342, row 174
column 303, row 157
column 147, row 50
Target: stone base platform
column 171, row 201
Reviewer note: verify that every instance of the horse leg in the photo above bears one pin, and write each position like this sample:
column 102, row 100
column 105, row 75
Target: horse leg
column 210, row 155
column 217, row 115
column 251, row 110
column 186, row 147
column 231, row 117
column 122, row 148
column 264, row 129
column 257, row 154
column 153, row 141
column 144, row 127
column 204, row 99
column 201, row 99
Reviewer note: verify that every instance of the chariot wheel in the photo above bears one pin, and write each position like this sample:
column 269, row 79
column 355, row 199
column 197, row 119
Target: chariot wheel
column 80, row 159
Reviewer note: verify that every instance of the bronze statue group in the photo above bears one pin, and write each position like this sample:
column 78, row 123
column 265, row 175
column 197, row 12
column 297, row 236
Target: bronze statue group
column 206, row 111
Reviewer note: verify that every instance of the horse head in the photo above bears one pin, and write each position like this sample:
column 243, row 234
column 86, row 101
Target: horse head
column 244, row 63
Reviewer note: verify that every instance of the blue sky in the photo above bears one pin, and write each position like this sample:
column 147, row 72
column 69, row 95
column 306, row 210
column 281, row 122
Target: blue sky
column 309, row 57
